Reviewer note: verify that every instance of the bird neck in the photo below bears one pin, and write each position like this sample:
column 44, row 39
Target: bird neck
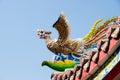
column 48, row 39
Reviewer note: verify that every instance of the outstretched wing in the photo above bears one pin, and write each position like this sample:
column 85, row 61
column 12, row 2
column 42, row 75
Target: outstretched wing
column 63, row 29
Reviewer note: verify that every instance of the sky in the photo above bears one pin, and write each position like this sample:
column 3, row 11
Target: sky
column 22, row 52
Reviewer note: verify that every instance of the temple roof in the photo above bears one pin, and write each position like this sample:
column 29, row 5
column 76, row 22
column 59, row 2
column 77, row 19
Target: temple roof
column 90, row 68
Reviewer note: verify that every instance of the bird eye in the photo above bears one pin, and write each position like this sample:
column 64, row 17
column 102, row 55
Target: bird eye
column 42, row 32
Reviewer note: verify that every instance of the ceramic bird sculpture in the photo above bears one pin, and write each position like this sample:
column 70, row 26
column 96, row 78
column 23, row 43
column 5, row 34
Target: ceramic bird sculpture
column 69, row 50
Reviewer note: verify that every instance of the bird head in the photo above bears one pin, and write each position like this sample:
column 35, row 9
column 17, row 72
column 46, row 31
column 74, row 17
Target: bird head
column 42, row 34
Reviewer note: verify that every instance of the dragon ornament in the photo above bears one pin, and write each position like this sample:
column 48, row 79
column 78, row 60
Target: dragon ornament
column 68, row 52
